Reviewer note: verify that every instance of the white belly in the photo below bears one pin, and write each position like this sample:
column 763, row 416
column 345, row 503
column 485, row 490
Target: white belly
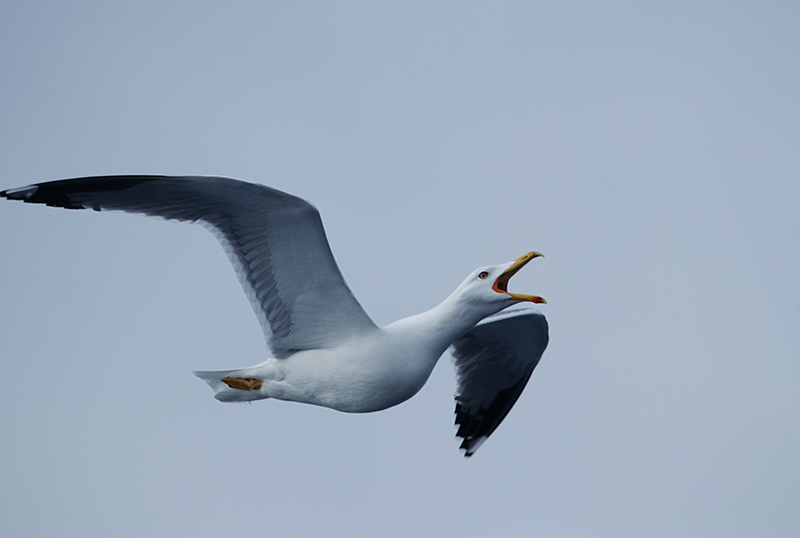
column 355, row 379
column 367, row 375
column 370, row 373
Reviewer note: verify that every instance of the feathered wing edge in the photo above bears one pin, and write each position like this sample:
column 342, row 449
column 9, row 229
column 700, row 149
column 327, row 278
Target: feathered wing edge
column 493, row 363
column 275, row 241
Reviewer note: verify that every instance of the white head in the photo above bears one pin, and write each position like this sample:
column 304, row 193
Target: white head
column 485, row 290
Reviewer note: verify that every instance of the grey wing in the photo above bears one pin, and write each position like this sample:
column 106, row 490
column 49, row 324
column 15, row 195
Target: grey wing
column 493, row 363
column 275, row 241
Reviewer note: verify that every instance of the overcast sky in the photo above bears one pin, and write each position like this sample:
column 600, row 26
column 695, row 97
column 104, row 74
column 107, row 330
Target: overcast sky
column 651, row 151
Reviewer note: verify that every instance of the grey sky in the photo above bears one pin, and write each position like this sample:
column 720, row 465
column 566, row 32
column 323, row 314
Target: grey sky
column 650, row 151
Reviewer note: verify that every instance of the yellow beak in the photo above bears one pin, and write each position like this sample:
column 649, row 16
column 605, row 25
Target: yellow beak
column 501, row 284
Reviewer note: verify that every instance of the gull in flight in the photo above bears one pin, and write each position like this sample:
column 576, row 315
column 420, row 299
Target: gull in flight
column 325, row 349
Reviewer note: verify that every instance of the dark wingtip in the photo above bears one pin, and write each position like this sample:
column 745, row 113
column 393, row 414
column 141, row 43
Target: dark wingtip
column 22, row 193
column 468, row 430
column 59, row 193
column 32, row 195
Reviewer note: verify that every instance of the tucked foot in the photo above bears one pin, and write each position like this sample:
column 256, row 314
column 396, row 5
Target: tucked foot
column 243, row 383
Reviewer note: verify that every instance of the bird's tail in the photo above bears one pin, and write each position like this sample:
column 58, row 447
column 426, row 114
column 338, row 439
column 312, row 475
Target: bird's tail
column 233, row 385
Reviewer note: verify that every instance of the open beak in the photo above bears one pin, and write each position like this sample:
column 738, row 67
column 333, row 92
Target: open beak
column 501, row 284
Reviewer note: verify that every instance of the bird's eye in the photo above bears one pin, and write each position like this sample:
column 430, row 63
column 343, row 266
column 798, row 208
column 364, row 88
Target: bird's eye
column 483, row 274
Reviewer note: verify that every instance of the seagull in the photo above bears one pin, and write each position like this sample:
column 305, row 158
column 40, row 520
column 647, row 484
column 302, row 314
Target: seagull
column 325, row 349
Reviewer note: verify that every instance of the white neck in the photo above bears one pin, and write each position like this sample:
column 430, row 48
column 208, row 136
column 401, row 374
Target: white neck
column 436, row 329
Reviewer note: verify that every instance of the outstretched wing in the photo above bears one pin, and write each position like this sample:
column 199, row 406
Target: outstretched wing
column 275, row 241
column 493, row 363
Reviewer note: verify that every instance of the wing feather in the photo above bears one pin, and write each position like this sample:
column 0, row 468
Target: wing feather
column 275, row 241
column 493, row 363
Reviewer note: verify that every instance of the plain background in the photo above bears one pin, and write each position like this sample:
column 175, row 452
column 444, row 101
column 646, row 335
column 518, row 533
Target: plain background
column 651, row 151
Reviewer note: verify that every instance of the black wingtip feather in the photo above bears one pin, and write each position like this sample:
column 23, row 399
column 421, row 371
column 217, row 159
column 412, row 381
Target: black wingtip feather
column 485, row 422
column 57, row 193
